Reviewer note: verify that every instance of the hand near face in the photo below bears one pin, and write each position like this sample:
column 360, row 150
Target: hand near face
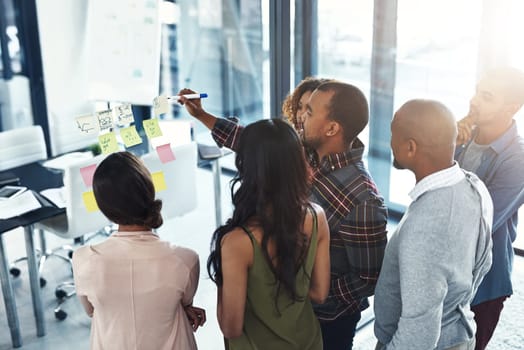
column 465, row 128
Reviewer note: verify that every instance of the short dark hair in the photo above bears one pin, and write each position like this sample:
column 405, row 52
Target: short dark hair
column 348, row 107
column 125, row 193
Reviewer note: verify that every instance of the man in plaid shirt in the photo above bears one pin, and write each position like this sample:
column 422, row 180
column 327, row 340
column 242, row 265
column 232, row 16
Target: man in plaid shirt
column 357, row 218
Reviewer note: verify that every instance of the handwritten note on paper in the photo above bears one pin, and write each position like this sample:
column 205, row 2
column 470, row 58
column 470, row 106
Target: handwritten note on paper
column 87, row 174
column 160, row 105
column 124, row 114
column 89, row 201
column 105, row 120
column 108, row 143
column 159, row 181
column 130, row 136
column 165, row 153
column 152, row 128
column 86, row 124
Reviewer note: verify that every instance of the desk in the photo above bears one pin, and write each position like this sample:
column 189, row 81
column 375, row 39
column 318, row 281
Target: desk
column 36, row 177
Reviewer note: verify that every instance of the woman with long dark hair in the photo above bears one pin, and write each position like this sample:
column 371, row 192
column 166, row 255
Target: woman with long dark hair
column 272, row 257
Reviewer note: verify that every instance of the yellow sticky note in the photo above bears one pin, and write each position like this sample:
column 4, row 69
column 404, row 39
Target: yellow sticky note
column 152, row 128
column 159, row 181
column 90, row 201
column 108, row 143
column 130, row 136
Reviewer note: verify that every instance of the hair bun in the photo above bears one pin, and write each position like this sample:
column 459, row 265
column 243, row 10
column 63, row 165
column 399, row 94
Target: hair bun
column 154, row 216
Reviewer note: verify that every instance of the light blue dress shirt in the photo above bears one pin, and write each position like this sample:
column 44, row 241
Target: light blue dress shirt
column 502, row 170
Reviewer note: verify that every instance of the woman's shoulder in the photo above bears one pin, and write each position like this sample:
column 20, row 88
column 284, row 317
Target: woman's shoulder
column 186, row 255
column 314, row 210
column 317, row 209
column 238, row 236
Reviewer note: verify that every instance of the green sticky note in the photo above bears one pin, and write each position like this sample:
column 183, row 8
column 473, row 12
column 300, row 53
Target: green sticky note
column 152, row 128
column 108, row 143
column 130, row 136
column 90, row 201
column 159, row 181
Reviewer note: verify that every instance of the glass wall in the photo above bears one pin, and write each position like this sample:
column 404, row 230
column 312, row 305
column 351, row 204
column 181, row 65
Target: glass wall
column 11, row 37
column 218, row 47
column 436, row 58
column 345, row 31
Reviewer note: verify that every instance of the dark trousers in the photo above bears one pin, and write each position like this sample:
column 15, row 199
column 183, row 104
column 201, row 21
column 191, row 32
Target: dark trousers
column 338, row 334
column 487, row 316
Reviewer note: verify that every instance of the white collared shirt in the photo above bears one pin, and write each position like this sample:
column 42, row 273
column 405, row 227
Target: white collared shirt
column 442, row 178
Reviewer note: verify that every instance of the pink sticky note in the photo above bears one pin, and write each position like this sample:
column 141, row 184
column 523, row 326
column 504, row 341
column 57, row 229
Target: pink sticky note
column 87, row 174
column 165, row 153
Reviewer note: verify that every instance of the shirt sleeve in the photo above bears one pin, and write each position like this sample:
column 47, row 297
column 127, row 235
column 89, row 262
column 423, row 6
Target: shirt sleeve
column 507, row 191
column 192, row 283
column 80, row 264
column 364, row 235
column 226, row 132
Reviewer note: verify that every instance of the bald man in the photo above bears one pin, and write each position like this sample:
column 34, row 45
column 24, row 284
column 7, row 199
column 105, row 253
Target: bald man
column 441, row 248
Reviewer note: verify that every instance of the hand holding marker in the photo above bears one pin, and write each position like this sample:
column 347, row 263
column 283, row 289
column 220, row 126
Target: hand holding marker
column 161, row 103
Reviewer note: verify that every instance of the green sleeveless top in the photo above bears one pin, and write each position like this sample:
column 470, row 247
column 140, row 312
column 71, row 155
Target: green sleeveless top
column 293, row 325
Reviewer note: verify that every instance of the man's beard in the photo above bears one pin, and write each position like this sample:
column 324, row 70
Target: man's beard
column 397, row 165
column 311, row 142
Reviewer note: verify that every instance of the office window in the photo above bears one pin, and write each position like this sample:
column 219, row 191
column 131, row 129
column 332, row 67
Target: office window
column 218, row 47
column 345, row 32
column 437, row 52
column 11, row 36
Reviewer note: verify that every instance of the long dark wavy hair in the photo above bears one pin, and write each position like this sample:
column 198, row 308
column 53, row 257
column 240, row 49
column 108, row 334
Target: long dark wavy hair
column 270, row 188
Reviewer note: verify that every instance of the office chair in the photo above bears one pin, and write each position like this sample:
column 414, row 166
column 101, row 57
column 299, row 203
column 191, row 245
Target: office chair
column 21, row 146
column 179, row 197
column 75, row 222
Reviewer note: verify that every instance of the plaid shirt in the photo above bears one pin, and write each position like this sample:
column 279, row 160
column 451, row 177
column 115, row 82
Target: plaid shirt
column 357, row 219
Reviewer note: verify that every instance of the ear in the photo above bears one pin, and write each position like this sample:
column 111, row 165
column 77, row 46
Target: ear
column 333, row 128
column 411, row 148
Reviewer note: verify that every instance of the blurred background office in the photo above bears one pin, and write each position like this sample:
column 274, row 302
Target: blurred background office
column 61, row 59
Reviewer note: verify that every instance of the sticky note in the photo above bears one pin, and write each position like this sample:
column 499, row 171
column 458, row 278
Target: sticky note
column 123, row 114
column 130, row 136
column 152, row 128
column 108, row 143
column 86, row 124
column 87, row 174
column 165, row 153
column 105, row 120
column 90, row 201
column 160, row 105
column 159, row 181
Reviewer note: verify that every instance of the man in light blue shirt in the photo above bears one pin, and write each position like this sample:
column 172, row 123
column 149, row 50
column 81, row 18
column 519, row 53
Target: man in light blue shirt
column 441, row 250
column 489, row 145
